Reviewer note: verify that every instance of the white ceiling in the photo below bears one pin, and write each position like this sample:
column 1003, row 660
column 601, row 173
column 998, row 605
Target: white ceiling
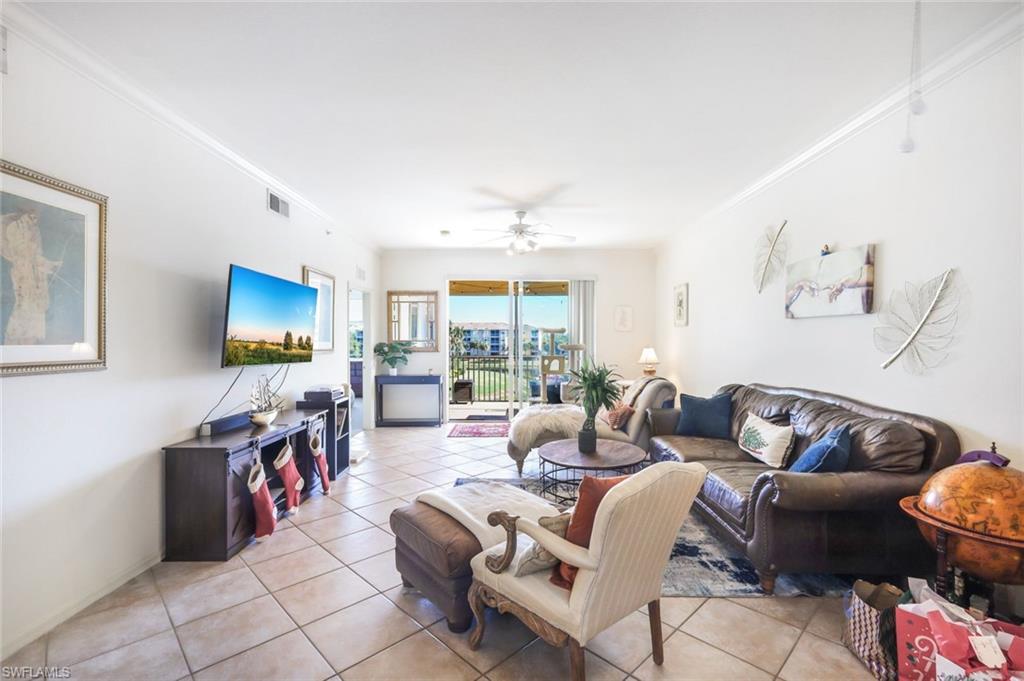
column 400, row 120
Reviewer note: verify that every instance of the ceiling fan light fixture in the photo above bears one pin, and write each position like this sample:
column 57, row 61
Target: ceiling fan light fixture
column 522, row 237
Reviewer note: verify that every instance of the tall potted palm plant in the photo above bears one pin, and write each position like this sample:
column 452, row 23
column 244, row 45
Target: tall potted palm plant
column 595, row 387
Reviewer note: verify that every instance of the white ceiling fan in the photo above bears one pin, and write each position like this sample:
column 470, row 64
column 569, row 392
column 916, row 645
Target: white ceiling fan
column 526, row 238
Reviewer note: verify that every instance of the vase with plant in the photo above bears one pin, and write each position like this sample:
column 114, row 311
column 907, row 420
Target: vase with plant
column 595, row 387
column 393, row 354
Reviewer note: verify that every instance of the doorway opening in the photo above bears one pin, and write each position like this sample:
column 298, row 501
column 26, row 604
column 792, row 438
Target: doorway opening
column 506, row 343
column 357, row 324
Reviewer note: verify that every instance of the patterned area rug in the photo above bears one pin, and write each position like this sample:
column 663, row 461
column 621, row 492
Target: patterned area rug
column 479, row 430
column 704, row 565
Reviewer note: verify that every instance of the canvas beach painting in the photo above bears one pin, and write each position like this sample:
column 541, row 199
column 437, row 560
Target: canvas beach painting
column 52, row 274
column 839, row 283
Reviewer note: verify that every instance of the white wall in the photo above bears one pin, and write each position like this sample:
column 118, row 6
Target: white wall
column 622, row 277
column 955, row 202
column 81, row 453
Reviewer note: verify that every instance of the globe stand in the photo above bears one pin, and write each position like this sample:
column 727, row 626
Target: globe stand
column 941, row 542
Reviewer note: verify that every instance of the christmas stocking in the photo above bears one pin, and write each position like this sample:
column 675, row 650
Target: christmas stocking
column 293, row 482
column 316, row 444
column 266, row 514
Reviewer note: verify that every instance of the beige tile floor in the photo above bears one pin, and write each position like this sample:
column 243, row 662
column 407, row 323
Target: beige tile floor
column 321, row 599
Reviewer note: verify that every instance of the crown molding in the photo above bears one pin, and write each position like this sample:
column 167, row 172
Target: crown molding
column 27, row 25
column 988, row 41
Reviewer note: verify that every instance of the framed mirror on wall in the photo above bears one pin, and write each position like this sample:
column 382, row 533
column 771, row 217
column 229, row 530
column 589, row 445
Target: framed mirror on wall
column 412, row 317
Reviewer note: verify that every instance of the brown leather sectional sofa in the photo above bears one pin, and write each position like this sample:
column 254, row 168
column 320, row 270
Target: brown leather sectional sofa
column 843, row 523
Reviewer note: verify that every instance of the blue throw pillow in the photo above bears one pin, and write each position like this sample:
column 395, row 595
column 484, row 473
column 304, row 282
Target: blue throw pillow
column 700, row 417
column 830, row 454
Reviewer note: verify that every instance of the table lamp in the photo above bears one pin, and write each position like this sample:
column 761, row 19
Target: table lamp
column 649, row 359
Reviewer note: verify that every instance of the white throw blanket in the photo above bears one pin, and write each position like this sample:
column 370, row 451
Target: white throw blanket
column 558, row 419
column 470, row 504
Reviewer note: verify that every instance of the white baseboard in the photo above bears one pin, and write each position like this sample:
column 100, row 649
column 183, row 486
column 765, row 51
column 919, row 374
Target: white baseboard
column 13, row 645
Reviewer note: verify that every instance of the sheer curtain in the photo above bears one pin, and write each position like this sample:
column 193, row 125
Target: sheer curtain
column 582, row 326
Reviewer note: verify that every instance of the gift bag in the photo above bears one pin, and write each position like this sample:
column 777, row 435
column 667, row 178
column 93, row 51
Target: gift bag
column 915, row 645
column 870, row 628
column 934, row 642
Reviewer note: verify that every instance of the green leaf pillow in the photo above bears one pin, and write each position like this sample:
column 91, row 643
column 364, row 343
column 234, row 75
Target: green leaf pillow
column 765, row 441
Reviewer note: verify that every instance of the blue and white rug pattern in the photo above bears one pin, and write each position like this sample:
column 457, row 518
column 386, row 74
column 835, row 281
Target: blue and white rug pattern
column 704, row 565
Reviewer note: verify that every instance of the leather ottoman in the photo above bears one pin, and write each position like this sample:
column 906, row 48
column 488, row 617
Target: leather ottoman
column 432, row 552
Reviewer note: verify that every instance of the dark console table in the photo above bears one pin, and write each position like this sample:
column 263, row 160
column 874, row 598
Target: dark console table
column 382, row 419
column 208, row 507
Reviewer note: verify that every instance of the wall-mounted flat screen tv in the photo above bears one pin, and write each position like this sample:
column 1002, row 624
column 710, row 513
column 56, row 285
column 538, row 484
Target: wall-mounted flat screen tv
column 269, row 320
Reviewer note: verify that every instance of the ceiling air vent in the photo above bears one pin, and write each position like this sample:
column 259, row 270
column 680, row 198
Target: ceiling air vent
column 275, row 204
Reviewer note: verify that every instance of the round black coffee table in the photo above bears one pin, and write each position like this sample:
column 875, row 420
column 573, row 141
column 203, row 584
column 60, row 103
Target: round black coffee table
column 562, row 465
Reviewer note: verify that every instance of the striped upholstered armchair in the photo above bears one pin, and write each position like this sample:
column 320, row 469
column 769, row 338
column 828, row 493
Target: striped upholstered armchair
column 634, row 530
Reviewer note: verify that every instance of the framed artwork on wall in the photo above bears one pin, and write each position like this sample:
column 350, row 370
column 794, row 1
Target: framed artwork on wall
column 53, row 274
column 623, row 318
column 837, row 283
column 681, row 305
column 323, row 333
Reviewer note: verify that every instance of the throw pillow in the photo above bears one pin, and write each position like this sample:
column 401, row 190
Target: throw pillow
column 591, row 492
column 534, row 557
column 766, row 441
column 618, row 416
column 830, row 454
column 700, row 417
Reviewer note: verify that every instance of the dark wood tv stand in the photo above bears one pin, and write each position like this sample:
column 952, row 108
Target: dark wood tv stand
column 208, row 507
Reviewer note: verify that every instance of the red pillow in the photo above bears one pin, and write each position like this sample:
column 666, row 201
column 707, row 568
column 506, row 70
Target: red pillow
column 591, row 492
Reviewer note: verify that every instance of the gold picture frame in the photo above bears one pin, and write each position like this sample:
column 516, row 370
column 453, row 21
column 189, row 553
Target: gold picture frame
column 321, row 281
column 53, row 274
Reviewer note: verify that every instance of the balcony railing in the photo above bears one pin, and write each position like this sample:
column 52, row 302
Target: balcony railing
column 490, row 376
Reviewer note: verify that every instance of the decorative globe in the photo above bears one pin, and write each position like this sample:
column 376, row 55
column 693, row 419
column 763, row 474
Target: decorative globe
column 980, row 506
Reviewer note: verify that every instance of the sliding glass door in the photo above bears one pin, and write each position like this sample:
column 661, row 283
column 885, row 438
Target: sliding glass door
column 505, row 345
column 540, row 320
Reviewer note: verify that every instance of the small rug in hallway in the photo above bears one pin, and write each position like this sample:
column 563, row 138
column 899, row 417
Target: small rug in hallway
column 703, row 565
column 479, row 430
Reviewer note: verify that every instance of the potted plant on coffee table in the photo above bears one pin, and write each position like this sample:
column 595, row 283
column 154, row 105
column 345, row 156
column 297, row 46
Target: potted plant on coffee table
column 393, row 354
column 595, row 387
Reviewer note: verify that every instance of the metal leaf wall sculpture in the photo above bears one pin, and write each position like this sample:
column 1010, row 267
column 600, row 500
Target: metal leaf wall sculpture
column 919, row 323
column 769, row 255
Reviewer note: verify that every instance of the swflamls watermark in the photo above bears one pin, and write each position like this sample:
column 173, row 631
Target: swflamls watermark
column 26, row 672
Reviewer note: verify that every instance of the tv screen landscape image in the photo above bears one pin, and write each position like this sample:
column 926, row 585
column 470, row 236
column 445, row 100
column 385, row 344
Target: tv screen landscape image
column 269, row 320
